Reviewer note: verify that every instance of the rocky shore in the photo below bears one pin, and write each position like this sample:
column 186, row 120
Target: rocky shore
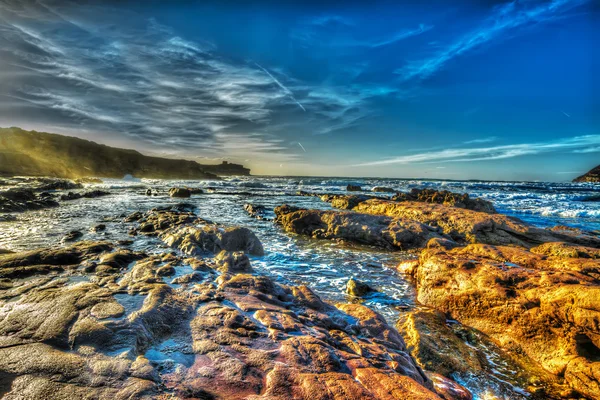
column 195, row 319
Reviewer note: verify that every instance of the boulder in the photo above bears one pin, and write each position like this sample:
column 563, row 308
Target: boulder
column 447, row 198
column 383, row 189
column 357, row 288
column 468, row 226
column 353, row 188
column 180, row 192
column 379, row 231
column 543, row 305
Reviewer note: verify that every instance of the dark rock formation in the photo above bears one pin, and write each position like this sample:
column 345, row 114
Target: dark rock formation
column 353, row 188
column 460, row 200
column 591, row 176
column 180, row 192
column 468, row 226
column 19, row 200
column 44, row 154
column 88, row 195
column 379, row 231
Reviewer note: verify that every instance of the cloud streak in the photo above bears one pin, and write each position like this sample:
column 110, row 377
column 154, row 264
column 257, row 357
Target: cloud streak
column 575, row 144
column 503, row 22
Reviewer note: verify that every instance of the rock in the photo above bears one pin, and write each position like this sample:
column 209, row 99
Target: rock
column 460, row 200
column 148, row 192
column 353, row 188
column 539, row 307
column 19, row 200
column 193, row 277
column 592, row 176
column 256, row 211
column 435, row 346
column 357, row 288
column 468, row 226
column 233, row 262
column 166, row 270
column 383, row 189
column 346, row 202
column 98, row 228
column 194, row 240
column 72, row 236
column 180, row 192
column 129, row 335
column 379, row 231
column 88, row 195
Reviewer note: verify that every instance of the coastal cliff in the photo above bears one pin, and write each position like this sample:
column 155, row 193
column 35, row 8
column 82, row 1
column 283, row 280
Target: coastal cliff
column 45, row 154
column 591, row 176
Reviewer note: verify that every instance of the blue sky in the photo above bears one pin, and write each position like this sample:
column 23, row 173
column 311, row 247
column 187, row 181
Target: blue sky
column 457, row 90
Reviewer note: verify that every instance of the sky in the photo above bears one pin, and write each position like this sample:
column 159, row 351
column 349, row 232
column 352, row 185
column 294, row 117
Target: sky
column 505, row 90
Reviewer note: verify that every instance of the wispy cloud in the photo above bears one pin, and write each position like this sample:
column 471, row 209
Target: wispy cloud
column 574, row 144
column 99, row 69
column 338, row 31
column 504, row 22
column 482, row 140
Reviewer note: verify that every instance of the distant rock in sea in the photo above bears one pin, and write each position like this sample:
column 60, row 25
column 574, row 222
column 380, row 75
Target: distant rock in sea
column 31, row 153
column 591, row 176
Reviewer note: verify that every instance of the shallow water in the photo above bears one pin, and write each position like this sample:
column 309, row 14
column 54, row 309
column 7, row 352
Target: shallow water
column 325, row 266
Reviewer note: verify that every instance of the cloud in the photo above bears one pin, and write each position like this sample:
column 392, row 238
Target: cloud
column 338, row 31
column 482, row 140
column 100, row 69
column 504, row 21
column 575, row 144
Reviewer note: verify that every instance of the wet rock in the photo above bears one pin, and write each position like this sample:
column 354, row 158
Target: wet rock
column 188, row 278
column 201, row 236
column 136, row 216
column 380, row 231
column 180, row 192
column 353, row 188
column 444, row 197
column 463, row 225
column 166, row 270
column 383, row 189
column 233, row 262
column 357, row 288
column 541, row 307
column 87, row 195
column 256, row 211
column 72, row 236
column 148, row 192
column 346, row 202
column 98, row 228
column 19, row 200
column 435, row 346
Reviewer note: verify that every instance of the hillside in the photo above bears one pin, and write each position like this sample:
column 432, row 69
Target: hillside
column 46, row 154
column 591, row 176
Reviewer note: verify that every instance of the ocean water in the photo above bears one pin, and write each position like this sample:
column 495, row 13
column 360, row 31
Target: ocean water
column 325, row 266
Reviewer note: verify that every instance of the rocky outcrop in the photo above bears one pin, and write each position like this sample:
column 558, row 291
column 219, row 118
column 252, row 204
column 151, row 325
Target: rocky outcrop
column 383, row 189
column 19, row 200
column 179, row 192
column 468, row 226
column 447, row 198
column 34, row 153
column 92, row 194
column 379, row 231
column 121, row 331
column 543, row 304
column 353, row 188
column 591, row 176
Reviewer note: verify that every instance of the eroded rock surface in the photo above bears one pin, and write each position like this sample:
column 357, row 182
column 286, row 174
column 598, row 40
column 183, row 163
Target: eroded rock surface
column 447, row 198
column 470, row 226
column 380, row 231
column 121, row 331
column 543, row 304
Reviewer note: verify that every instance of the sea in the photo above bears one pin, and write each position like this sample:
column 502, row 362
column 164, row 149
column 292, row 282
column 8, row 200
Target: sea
column 325, row 266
